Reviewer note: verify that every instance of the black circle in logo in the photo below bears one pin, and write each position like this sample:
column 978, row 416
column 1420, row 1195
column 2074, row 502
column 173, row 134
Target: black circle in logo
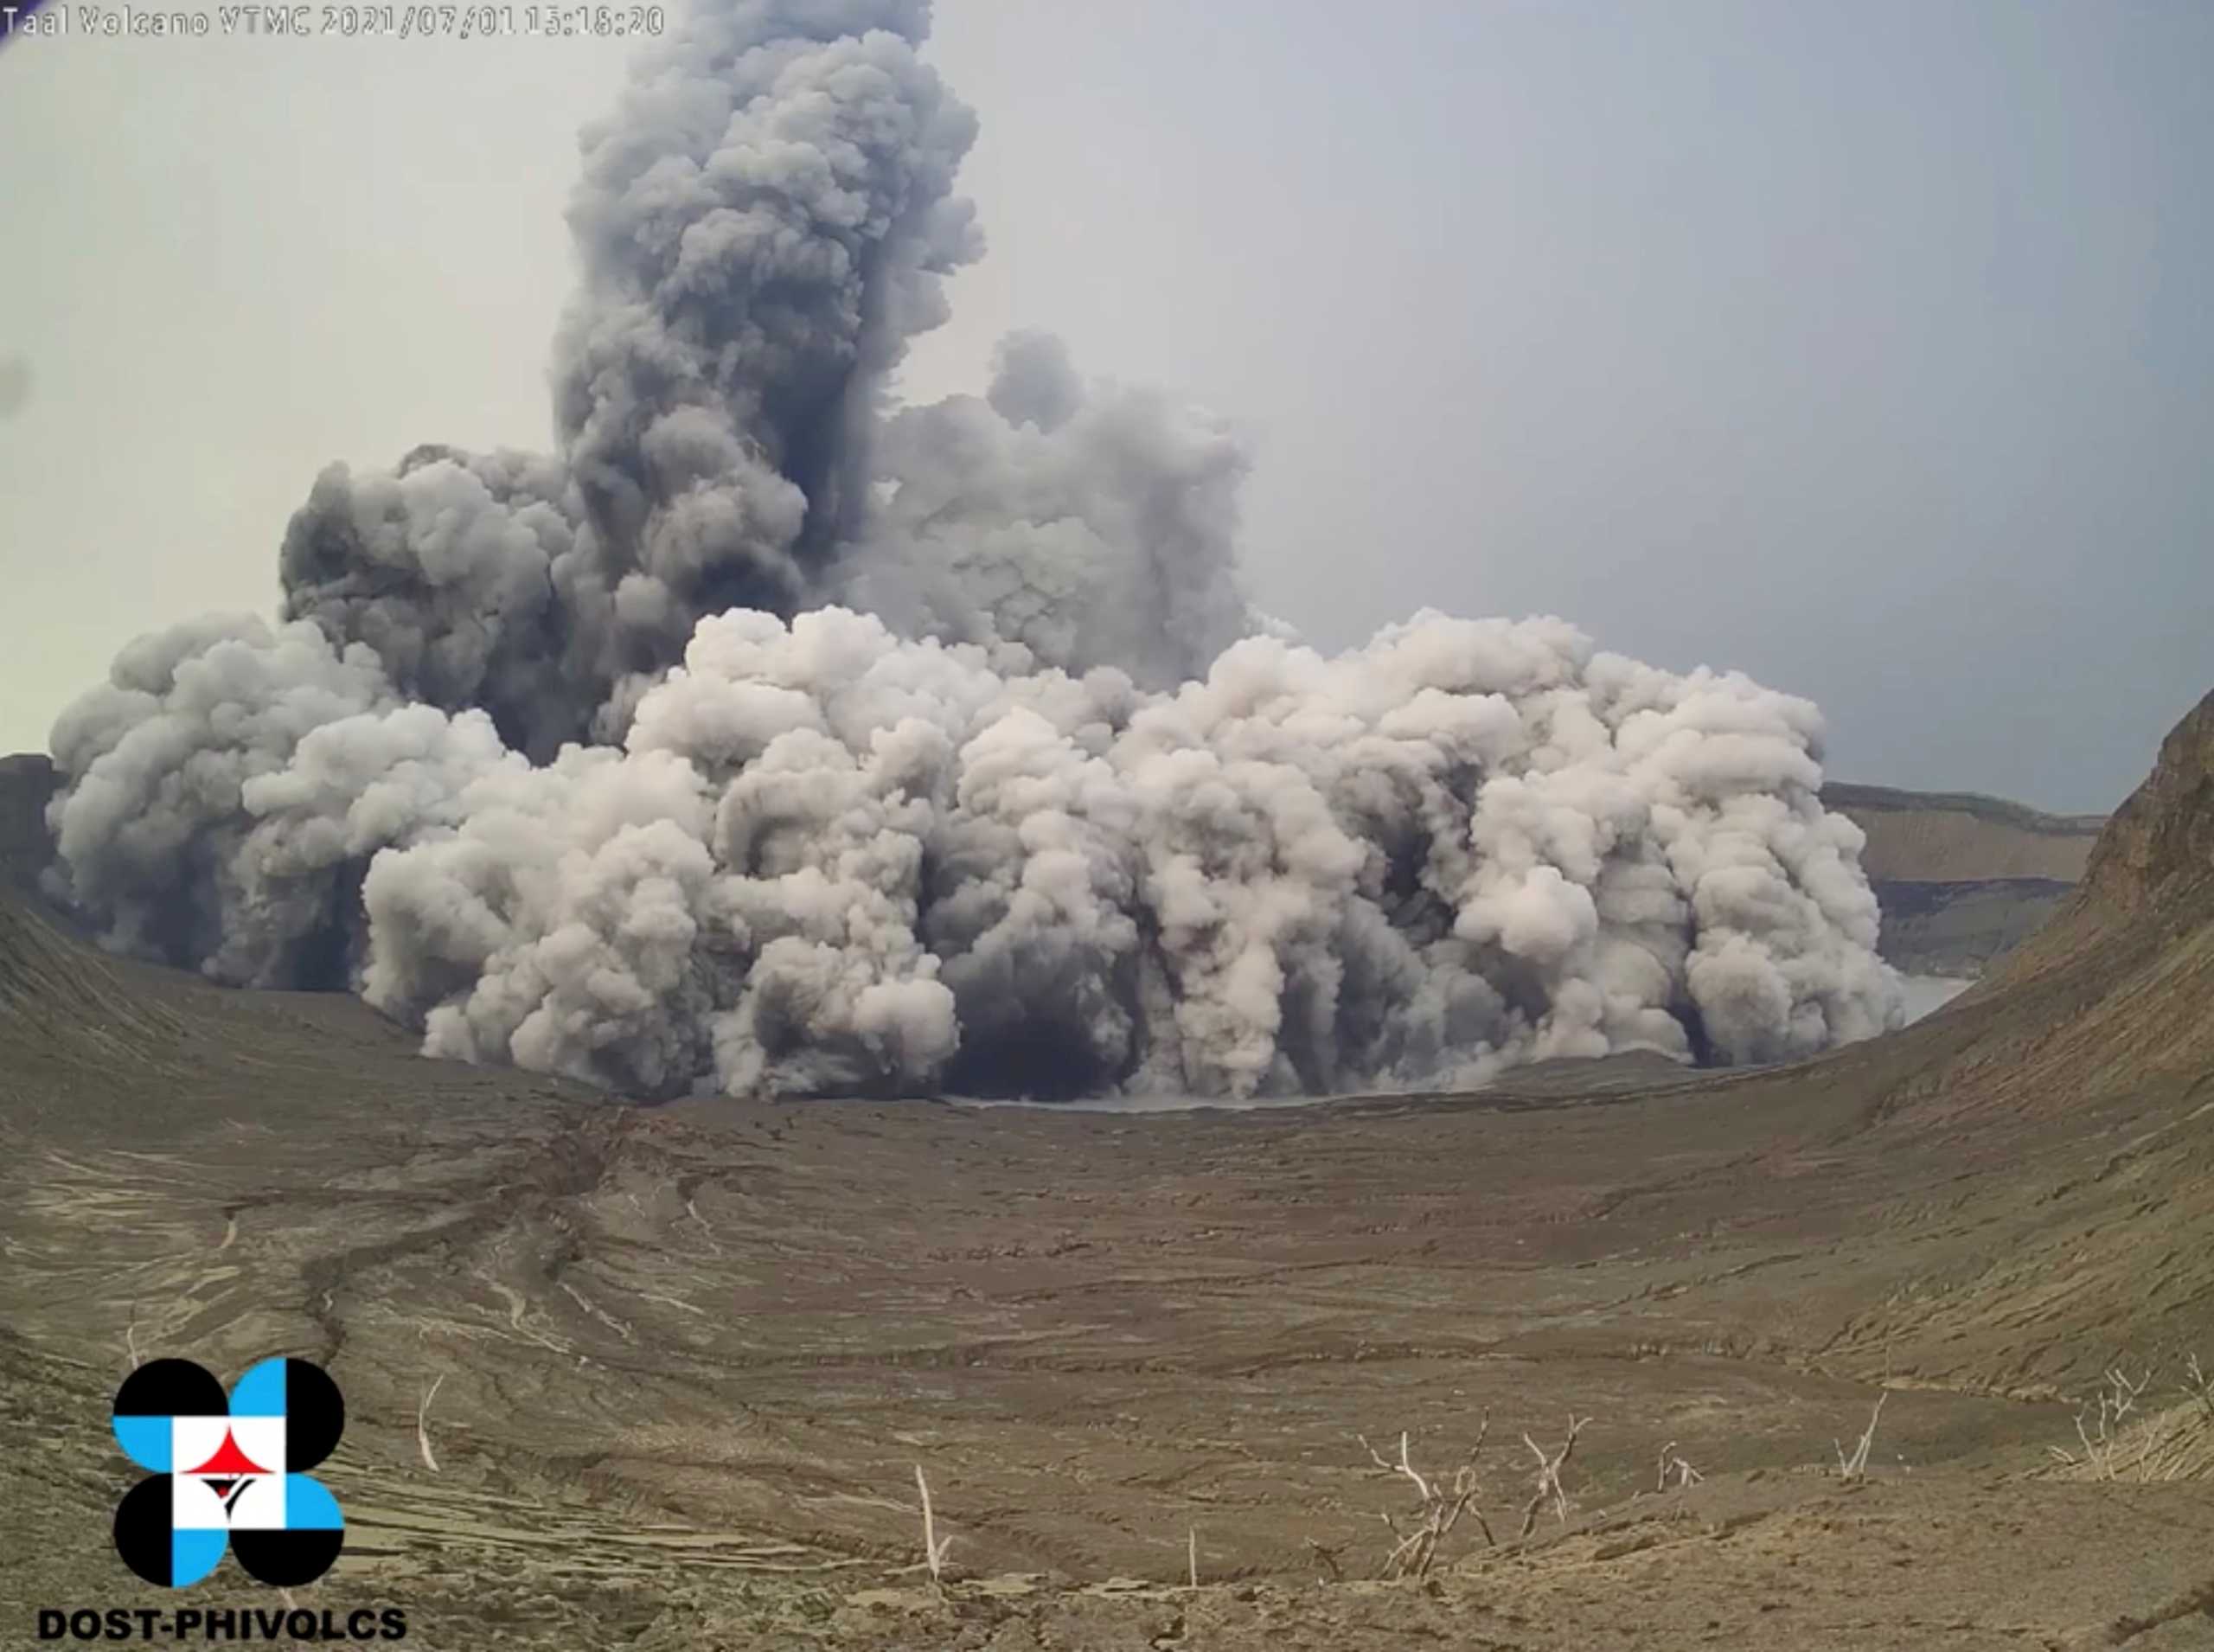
column 283, row 1558
column 173, row 1388
column 314, row 1416
column 143, row 1530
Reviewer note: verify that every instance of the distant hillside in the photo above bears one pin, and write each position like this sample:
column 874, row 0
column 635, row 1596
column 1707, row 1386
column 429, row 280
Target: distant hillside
column 1961, row 928
column 1962, row 879
column 1956, row 837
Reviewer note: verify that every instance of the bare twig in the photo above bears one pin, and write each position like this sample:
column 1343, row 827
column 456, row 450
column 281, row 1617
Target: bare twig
column 2116, row 1437
column 1192, row 1557
column 1439, row 1509
column 2100, row 1420
column 423, row 1425
column 2095, row 1453
column 934, row 1548
column 1675, row 1467
column 1855, row 1466
column 2121, row 1393
column 1546, row 1481
column 1327, row 1557
column 1422, row 1486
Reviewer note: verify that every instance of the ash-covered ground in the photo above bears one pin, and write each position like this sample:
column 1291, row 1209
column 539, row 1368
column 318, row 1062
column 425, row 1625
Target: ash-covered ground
column 687, row 1358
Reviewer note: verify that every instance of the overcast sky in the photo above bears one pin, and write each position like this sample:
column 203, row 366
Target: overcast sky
column 1865, row 347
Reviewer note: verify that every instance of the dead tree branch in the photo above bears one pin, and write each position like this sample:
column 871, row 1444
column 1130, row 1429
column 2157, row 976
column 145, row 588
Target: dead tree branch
column 423, row 1423
column 934, row 1547
column 1675, row 1467
column 1855, row 1466
column 1547, row 1481
column 1439, row 1509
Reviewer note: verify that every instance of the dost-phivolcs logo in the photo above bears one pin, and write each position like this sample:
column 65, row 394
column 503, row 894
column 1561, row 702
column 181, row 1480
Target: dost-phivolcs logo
column 227, row 1471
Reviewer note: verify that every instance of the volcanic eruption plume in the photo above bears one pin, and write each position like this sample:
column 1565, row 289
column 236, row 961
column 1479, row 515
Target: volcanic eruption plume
column 771, row 739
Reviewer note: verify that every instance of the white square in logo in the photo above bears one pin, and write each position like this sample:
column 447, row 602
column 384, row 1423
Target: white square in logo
column 195, row 1440
column 261, row 1438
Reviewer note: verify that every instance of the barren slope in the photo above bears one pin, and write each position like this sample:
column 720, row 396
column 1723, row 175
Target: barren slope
column 689, row 1355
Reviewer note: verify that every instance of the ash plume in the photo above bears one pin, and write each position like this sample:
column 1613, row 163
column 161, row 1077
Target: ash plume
column 771, row 739
column 761, row 227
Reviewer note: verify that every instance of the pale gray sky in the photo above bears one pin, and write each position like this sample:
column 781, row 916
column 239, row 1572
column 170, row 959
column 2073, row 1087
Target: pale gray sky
column 1863, row 345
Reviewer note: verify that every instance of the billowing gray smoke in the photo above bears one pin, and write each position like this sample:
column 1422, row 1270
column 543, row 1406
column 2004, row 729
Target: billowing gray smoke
column 773, row 740
column 762, row 226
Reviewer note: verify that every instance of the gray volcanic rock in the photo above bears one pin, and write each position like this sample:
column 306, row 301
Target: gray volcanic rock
column 1959, row 927
column 2159, row 846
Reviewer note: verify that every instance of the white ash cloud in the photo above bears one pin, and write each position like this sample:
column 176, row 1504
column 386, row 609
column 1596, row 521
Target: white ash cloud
column 768, row 738
column 829, row 859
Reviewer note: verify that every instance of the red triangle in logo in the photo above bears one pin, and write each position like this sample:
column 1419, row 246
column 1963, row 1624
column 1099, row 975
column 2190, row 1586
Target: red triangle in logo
column 229, row 1461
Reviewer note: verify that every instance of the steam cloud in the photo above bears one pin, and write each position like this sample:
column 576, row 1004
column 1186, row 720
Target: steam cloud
column 774, row 739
